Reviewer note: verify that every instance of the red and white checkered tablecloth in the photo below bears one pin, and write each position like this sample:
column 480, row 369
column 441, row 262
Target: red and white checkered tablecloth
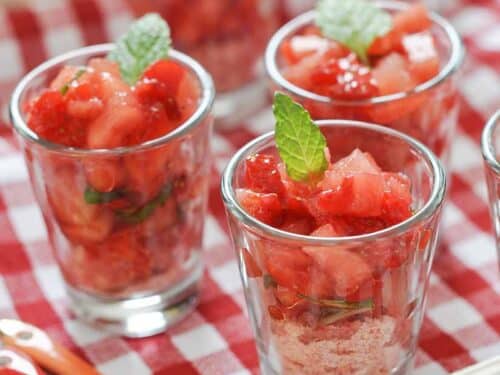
column 462, row 324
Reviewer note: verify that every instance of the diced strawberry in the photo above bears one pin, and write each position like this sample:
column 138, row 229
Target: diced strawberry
column 65, row 76
column 343, row 78
column 264, row 207
column 392, row 75
column 262, row 174
column 102, row 65
column 104, row 174
column 80, row 221
column 169, row 73
column 251, row 267
column 336, row 201
column 120, row 118
column 300, row 46
column 386, row 43
column 423, row 56
column 397, row 198
column 347, row 270
column 48, row 118
column 289, row 267
column 353, row 186
column 188, row 96
column 286, row 297
column 300, row 73
column 116, row 262
column 297, row 224
column 147, row 171
column 354, row 163
column 412, row 20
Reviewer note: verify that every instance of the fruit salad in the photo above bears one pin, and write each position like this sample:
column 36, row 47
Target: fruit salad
column 351, row 59
column 125, row 198
column 227, row 37
column 334, row 280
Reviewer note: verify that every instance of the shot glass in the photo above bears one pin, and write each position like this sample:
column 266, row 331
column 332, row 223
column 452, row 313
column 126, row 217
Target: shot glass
column 490, row 145
column 133, row 275
column 428, row 112
column 299, row 333
column 227, row 37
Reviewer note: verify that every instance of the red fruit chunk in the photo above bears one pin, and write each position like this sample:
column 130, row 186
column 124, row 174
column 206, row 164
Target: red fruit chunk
column 347, row 270
column 353, row 186
column 392, row 75
column 82, row 102
column 423, row 57
column 65, row 76
column 300, row 46
column 120, row 118
column 47, row 117
column 188, row 96
column 289, row 267
column 412, row 20
column 251, row 266
column 297, row 224
column 264, row 207
column 117, row 262
column 262, row 174
column 397, row 198
column 345, row 78
column 300, row 73
column 80, row 221
column 168, row 72
column 104, row 174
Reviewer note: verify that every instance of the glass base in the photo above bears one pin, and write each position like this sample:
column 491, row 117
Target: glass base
column 138, row 317
column 233, row 107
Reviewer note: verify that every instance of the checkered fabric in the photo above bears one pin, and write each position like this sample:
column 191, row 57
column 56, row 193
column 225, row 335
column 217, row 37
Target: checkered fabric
column 462, row 324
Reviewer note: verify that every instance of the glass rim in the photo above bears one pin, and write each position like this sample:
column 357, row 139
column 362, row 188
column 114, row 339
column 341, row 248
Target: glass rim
column 204, row 107
column 432, row 204
column 488, row 142
column 455, row 61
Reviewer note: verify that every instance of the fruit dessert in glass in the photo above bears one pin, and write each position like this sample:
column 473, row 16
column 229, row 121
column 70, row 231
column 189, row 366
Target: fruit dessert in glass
column 227, row 37
column 490, row 145
column 334, row 225
column 116, row 140
column 384, row 62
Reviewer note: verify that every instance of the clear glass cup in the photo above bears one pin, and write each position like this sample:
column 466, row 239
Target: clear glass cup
column 227, row 37
column 298, row 332
column 133, row 275
column 428, row 112
column 490, row 145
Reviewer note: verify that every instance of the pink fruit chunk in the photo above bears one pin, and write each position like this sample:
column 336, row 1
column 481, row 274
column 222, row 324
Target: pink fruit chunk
column 422, row 55
column 265, row 207
column 347, row 270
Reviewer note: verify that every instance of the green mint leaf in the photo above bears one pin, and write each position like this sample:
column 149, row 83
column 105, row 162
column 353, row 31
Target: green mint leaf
column 66, row 86
column 269, row 282
column 147, row 41
column 142, row 213
column 339, row 303
column 93, row 196
column 300, row 143
column 354, row 23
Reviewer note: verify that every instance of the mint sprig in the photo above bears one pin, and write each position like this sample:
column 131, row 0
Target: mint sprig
column 300, row 143
column 138, row 215
column 147, row 41
column 93, row 196
column 354, row 23
column 63, row 90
